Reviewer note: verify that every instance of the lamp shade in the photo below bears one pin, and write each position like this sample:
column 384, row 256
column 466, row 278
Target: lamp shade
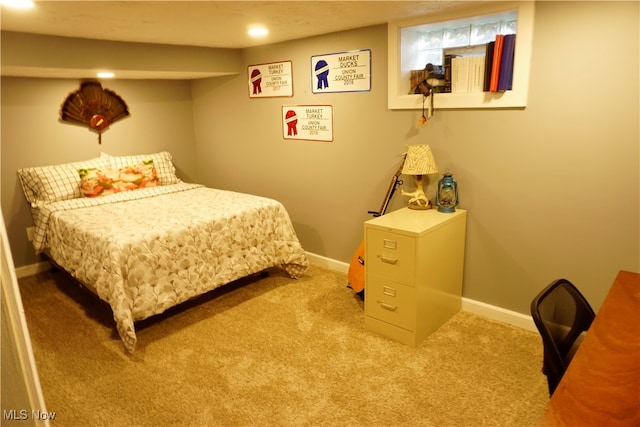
column 419, row 161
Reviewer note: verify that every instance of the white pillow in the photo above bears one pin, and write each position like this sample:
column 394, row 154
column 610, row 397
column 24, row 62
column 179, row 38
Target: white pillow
column 43, row 184
column 162, row 161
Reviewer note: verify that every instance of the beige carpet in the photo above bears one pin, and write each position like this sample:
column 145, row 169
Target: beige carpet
column 272, row 351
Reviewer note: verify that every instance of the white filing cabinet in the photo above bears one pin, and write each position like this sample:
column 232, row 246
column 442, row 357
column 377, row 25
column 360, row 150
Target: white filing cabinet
column 413, row 272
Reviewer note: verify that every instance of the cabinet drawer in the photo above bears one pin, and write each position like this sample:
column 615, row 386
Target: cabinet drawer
column 390, row 255
column 390, row 302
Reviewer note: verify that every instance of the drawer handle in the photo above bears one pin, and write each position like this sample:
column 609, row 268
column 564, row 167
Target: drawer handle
column 387, row 259
column 389, row 291
column 387, row 306
column 390, row 244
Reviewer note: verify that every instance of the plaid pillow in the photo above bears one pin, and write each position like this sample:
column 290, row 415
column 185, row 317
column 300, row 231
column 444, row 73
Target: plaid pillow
column 162, row 162
column 43, row 184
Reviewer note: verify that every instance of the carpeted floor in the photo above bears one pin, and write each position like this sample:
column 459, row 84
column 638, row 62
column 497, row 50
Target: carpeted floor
column 272, row 351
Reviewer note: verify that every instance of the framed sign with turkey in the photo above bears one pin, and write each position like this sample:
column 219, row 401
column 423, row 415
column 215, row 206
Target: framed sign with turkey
column 94, row 107
column 308, row 122
column 270, row 80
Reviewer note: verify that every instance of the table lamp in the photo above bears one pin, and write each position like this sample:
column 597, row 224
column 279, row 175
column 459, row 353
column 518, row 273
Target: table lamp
column 419, row 162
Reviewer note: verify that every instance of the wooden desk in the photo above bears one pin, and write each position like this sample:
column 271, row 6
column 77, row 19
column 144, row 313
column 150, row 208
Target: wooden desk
column 601, row 386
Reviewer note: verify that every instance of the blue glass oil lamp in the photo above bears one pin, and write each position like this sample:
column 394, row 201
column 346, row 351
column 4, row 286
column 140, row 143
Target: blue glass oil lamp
column 447, row 194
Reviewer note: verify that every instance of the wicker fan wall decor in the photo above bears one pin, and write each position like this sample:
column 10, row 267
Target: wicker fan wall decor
column 93, row 106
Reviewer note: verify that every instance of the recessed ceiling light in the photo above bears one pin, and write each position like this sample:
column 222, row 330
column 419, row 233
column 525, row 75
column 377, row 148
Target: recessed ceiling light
column 258, row 32
column 106, row 75
column 18, row 4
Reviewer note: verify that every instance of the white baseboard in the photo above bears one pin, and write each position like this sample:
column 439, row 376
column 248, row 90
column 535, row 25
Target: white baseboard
column 31, row 269
column 476, row 307
column 328, row 263
column 499, row 314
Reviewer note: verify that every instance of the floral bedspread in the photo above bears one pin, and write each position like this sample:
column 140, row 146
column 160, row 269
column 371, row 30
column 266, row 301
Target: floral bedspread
column 150, row 249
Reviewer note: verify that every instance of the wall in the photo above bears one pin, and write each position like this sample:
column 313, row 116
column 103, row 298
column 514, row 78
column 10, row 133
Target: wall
column 160, row 119
column 552, row 190
column 326, row 187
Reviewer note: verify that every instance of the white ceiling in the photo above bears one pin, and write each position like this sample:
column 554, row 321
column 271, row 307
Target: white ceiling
column 212, row 24
column 209, row 23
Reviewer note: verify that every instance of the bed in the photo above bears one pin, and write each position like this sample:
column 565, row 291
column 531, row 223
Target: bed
column 168, row 241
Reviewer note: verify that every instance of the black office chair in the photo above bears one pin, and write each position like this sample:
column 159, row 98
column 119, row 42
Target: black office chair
column 562, row 316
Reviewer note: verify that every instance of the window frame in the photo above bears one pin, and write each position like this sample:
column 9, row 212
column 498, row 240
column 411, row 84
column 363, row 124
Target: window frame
column 399, row 82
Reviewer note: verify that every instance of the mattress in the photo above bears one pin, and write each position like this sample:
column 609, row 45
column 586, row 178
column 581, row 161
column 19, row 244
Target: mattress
column 147, row 250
